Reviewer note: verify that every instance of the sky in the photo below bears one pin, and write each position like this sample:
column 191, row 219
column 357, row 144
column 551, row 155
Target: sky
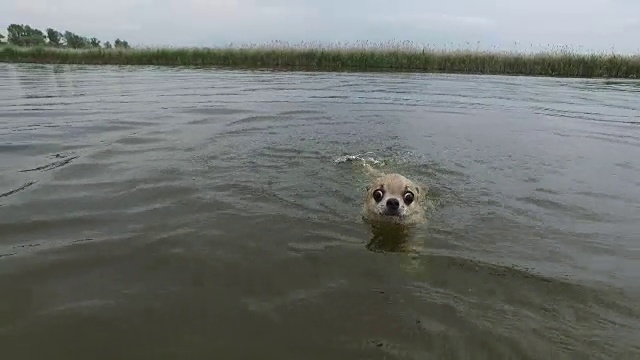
column 582, row 25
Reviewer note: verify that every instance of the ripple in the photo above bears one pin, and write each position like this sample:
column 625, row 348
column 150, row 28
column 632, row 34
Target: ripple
column 195, row 204
column 573, row 211
column 213, row 110
column 21, row 188
column 51, row 166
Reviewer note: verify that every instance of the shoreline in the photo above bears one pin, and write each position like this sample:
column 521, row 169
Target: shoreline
column 347, row 59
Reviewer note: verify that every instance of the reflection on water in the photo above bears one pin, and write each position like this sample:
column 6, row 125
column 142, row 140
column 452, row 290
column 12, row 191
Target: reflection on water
column 389, row 238
column 189, row 213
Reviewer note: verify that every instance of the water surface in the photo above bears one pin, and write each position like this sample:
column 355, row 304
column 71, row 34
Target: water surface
column 188, row 213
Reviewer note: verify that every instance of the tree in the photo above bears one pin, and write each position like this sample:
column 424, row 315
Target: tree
column 121, row 44
column 95, row 42
column 75, row 41
column 15, row 34
column 25, row 35
column 55, row 37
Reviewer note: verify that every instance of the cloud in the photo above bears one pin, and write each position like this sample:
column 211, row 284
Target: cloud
column 591, row 24
column 434, row 21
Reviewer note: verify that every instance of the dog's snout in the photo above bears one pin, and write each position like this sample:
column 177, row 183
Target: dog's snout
column 393, row 204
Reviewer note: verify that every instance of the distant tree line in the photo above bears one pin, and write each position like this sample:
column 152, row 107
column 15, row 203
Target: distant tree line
column 25, row 35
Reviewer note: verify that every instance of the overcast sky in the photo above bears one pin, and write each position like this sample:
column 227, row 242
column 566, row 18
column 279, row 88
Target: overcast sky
column 585, row 25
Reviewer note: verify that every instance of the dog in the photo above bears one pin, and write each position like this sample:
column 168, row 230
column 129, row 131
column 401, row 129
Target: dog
column 393, row 198
column 393, row 206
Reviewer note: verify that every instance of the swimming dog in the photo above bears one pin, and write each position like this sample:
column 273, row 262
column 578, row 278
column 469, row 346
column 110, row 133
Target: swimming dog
column 393, row 198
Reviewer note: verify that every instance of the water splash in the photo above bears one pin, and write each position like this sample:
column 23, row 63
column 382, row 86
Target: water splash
column 367, row 158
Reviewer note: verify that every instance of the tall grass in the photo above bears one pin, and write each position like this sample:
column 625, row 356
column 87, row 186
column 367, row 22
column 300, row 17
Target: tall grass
column 361, row 56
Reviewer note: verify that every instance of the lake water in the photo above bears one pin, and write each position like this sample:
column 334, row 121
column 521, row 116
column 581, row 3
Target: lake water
column 189, row 213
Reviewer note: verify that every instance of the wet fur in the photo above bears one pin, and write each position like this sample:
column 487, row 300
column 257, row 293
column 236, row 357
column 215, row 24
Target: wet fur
column 394, row 186
column 393, row 233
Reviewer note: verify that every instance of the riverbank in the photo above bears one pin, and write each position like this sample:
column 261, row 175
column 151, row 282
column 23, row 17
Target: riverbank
column 398, row 59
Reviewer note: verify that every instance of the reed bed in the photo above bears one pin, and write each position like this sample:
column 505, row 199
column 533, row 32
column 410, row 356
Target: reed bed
column 362, row 56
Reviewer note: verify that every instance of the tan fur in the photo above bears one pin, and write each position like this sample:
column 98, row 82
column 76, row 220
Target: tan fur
column 393, row 186
column 392, row 233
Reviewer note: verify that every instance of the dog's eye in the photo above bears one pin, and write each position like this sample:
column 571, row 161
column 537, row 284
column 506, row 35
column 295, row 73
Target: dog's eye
column 377, row 195
column 408, row 197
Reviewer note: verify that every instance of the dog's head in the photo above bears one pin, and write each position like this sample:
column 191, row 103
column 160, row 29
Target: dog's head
column 393, row 197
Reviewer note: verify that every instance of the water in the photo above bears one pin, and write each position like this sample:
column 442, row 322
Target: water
column 172, row 213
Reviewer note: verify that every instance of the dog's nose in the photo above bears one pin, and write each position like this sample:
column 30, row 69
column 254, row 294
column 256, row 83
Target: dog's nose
column 393, row 204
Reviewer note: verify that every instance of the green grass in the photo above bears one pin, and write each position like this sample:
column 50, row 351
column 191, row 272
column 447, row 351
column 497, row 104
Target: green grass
column 361, row 57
